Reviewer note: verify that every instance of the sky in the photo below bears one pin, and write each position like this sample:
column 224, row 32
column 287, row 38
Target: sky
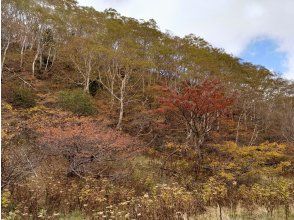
column 264, row 52
column 257, row 31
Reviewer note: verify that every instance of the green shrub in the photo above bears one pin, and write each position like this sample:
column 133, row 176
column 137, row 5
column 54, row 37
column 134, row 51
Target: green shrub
column 22, row 97
column 76, row 101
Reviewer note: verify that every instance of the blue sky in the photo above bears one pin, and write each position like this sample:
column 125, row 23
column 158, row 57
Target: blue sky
column 265, row 52
column 259, row 31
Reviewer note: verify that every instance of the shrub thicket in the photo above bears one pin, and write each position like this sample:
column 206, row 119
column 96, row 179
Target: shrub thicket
column 76, row 101
column 22, row 97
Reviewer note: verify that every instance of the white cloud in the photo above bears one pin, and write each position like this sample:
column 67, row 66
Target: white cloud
column 229, row 24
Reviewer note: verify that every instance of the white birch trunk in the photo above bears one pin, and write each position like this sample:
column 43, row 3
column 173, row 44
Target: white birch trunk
column 53, row 59
column 47, row 61
column 35, row 59
column 4, row 54
column 22, row 52
column 40, row 58
column 88, row 75
column 121, row 101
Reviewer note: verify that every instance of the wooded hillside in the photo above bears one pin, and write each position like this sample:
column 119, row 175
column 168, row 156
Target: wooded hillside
column 106, row 117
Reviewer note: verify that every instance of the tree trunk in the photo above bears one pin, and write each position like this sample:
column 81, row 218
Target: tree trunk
column 4, row 54
column 53, row 59
column 121, row 111
column 40, row 58
column 22, row 52
column 143, row 85
column 254, row 135
column 32, row 43
column 35, row 59
column 220, row 212
column 270, row 211
column 198, row 156
column 112, row 91
column 87, row 84
column 218, row 122
column 190, row 134
column 287, row 211
column 238, row 127
column 47, row 61
column 199, row 141
column 34, row 62
column 234, row 206
column 88, row 75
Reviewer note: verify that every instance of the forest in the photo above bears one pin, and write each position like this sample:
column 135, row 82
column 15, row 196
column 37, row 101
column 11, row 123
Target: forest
column 107, row 117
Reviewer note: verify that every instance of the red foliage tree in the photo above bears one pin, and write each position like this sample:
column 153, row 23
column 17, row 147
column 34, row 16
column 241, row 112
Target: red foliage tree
column 199, row 106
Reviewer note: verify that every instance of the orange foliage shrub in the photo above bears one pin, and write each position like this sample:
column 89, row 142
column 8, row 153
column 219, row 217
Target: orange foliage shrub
column 88, row 147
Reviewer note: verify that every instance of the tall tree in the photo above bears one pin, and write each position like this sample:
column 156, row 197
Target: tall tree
column 199, row 106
